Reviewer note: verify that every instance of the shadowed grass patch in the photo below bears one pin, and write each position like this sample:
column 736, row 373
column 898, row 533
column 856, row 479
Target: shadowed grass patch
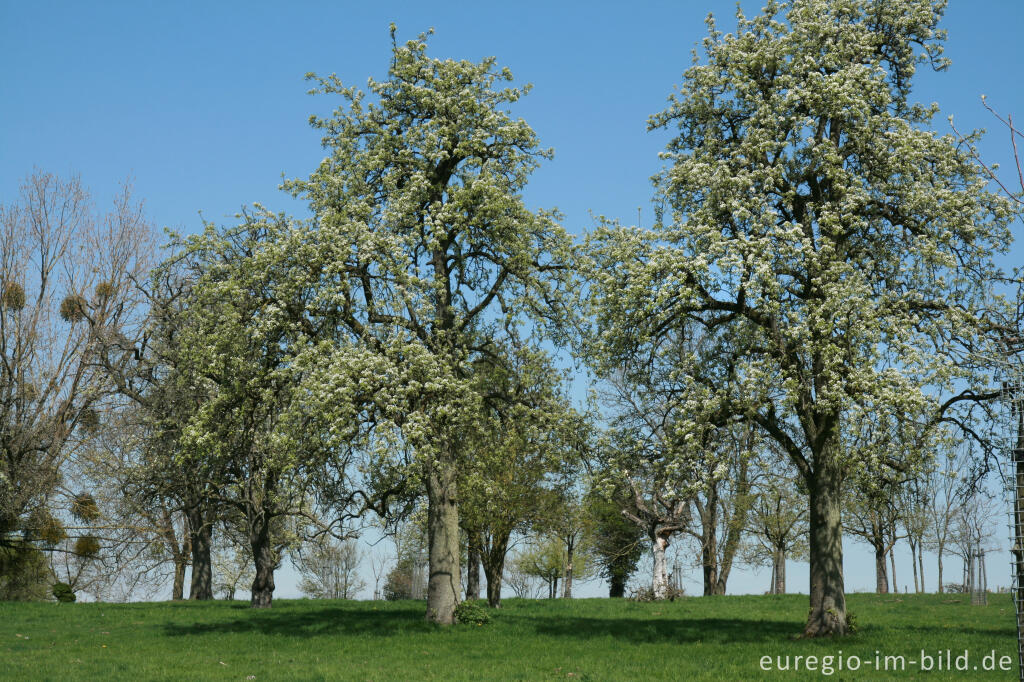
column 704, row 638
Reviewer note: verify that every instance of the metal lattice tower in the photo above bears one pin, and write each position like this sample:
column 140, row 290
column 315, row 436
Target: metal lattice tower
column 1012, row 467
column 977, row 579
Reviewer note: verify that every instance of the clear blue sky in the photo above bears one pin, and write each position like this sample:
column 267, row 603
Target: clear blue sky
column 204, row 104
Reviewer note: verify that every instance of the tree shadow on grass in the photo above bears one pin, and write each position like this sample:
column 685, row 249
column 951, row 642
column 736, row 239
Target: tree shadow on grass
column 306, row 619
column 358, row 620
column 305, row 622
column 666, row 630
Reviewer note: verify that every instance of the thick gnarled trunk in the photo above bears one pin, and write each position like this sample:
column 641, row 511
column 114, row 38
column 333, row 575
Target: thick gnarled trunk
column 827, row 615
column 443, row 588
column 201, row 541
column 262, row 595
column 617, row 586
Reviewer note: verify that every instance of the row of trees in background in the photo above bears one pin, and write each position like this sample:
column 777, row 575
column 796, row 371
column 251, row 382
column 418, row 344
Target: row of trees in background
column 796, row 347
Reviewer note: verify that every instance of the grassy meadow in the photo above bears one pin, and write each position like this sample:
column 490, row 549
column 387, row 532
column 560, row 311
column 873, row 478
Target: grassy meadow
column 715, row 638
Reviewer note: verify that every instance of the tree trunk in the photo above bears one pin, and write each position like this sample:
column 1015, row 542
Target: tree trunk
column 920, row 562
column 493, row 556
column 892, row 560
column 779, row 571
column 263, row 560
column 709, row 559
column 913, row 564
column 178, row 587
column 567, row 592
column 200, row 538
column 660, row 578
column 617, row 586
column 940, row 549
column 443, row 587
column 881, row 572
column 473, row 566
column 494, row 589
column 827, row 614
column 179, row 552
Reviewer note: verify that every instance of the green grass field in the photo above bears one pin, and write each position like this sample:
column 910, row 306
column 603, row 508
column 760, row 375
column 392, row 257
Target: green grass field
column 717, row 638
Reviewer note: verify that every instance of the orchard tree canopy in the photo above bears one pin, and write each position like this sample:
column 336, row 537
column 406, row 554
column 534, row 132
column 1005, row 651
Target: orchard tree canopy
column 423, row 252
column 812, row 217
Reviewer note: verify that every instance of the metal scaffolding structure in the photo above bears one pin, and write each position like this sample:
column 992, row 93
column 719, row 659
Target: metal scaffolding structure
column 977, row 579
column 1012, row 468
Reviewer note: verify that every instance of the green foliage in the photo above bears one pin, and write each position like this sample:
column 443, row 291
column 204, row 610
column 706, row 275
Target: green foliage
column 618, row 542
column 63, row 593
column 472, row 613
column 522, row 439
column 852, row 624
column 399, row 582
column 24, row 573
column 546, row 559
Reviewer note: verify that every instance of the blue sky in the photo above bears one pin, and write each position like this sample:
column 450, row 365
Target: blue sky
column 204, row 104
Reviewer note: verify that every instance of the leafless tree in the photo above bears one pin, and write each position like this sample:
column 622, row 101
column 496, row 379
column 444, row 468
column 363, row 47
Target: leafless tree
column 946, row 486
column 975, row 526
column 232, row 565
column 777, row 524
column 65, row 274
column 378, row 563
column 330, row 569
